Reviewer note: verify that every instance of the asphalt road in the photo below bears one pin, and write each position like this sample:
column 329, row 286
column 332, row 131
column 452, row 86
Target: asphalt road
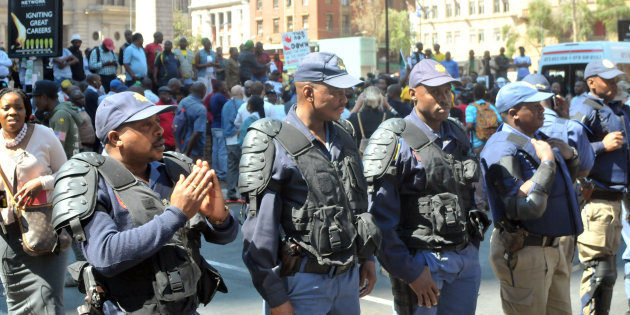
column 244, row 299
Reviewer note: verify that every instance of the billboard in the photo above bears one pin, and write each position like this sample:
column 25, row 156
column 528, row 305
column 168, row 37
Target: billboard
column 623, row 30
column 35, row 28
column 294, row 47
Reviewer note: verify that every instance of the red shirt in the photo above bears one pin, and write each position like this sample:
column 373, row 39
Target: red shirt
column 462, row 107
column 166, row 122
column 152, row 50
column 262, row 59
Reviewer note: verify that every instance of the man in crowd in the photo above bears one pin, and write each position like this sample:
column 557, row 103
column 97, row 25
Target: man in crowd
column 78, row 74
column 103, row 62
column 248, row 62
column 87, row 138
column 91, row 95
column 128, row 42
column 205, row 62
column 522, row 63
column 502, row 63
column 220, row 68
column 438, row 56
column 61, row 66
column 152, row 50
column 175, row 86
column 232, row 77
column 5, row 65
column 219, row 153
column 135, row 61
column 115, row 86
column 166, row 118
column 415, row 57
column 451, row 65
column 393, row 99
column 167, row 66
column 196, row 118
column 579, row 92
column 230, row 132
column 186, row 58
column 262, row 58
column 147, row 86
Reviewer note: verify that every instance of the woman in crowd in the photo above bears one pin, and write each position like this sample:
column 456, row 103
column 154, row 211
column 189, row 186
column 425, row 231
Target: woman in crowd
column 256, row 109
column 30, row 155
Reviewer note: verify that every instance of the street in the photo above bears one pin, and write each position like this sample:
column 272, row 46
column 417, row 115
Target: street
column 244, row 299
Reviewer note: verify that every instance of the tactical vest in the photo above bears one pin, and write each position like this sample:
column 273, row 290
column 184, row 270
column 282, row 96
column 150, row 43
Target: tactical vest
column 562, row 215
column 325, row 224
column 610, row 168
column 437, row 218
column 165, row 283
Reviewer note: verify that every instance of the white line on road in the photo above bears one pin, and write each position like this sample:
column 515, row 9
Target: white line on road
column 243, row 270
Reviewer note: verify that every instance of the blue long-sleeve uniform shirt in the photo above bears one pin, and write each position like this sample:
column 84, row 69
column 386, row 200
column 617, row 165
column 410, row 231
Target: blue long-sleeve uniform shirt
column 385, row 206
column 114, row 244
column 574, row 135
column 228, row 115
column 261, row 234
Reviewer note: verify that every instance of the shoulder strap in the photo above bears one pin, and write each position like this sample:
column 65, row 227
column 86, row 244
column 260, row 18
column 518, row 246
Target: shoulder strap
column 292, row 139
column 116, row 175
column 593, row 104
column 360, row 125
column 414, row 136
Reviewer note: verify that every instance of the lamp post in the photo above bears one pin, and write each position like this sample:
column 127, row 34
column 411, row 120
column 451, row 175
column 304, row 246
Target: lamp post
column 387, row 36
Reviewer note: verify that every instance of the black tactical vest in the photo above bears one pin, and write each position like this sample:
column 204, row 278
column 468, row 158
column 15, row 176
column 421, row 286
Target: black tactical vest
column 437, row 218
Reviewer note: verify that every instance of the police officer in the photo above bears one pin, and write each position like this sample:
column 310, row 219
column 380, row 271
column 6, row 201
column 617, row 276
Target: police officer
column 304, row 181
column 137, row 217
column 533, row 203
column 420, row 171
column 557, row 125
column 607, row 121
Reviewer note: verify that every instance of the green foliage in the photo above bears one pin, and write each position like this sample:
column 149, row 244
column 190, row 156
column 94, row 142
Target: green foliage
column 609, row 11
column 511, row 36
column 540, row 21
column 400, row 36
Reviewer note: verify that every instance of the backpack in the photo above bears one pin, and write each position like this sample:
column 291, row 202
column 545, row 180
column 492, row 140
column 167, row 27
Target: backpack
column 487, row 121
column 180, row 127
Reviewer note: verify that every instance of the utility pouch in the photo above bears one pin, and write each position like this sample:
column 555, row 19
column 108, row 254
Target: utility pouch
column 332, row 230
column 447, row 216
column 513, row 241
column 176, row 276
column 290, row 258
column 471, row 171
column 209, row 283
column 369, row 236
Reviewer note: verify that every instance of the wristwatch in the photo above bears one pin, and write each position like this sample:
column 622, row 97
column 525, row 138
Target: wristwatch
column 575, row 154
column 219, row 222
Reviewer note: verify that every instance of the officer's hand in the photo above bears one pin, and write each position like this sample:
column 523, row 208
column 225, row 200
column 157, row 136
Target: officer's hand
column 425, row 289
column 29, row 191
column 524, row 189
column 213, row 205
column 565, row 149
column 613, row 141
column 190, row 191
column 543, row 150
column 285, row 309
column 367, row 277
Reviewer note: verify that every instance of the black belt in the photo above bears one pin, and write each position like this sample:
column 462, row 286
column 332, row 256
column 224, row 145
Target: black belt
column 463, row 245
column 607, row 195
column 540, row 240
column 312, row 266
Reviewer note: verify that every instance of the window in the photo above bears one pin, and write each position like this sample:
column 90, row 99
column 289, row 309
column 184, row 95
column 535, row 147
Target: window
column 221, row 19
column 289, row 3
column 229, row 40
column 275, row 3
column 305, row 22
column 289, row 24
column 212, row 22
column 434, row 38
column 472, row 7
column 449, row 37
column 229, row 18
column 472, row 37
column 481, row 36
column 497, row 6
column 449, row 10
column 427, row 38
column 345, row 25
column 481, row 7
column 458, row 9
column 259, row 28
column 345, row 3
column 457, row 37
column 434, row 12
column 497, row 34
column 259, row 5
column 506, row 5
column 329, row 22
column 276, row 25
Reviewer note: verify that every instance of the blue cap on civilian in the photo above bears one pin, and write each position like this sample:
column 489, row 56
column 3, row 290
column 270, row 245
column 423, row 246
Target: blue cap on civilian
column 538, row 81
column 429, row 72
column 603, row 68
column 117, row 86
column 124, row 107
column 326, row 68
column 518, row 92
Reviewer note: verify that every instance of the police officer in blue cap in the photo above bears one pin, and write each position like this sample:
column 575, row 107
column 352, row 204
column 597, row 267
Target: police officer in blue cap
column 529, row 179
column 607, row 122
column 420, row 172
column 138, row 214
column 304, row 234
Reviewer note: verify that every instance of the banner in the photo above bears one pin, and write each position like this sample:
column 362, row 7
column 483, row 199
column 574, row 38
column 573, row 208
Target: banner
column 295, row 47
column 35, row 28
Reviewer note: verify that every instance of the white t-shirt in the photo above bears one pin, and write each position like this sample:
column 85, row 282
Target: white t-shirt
column 66, row 72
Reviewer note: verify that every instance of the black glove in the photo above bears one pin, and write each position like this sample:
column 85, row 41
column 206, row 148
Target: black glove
column 479, row 222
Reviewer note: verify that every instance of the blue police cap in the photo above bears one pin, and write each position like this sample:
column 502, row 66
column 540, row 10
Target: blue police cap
column 538, row 81
column 429, row 72
column 326, row 68
column 124, row 107
column 515, row 93
column 603, row 68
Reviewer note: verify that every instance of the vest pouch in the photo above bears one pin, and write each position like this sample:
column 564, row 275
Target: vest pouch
column 332, row 231
column 471, row 171
column 354, row 183
column 369, row 236
column 447, row 216
column 176, row 276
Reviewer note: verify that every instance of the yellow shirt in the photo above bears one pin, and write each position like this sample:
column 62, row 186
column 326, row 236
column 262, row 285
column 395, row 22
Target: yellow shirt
column 439, row 57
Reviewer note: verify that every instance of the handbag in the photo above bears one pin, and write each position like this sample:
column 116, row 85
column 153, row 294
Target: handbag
column 35, row 222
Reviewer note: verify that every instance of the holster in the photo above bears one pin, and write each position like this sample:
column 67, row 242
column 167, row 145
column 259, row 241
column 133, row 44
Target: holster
column 83, row 273
column 290, row 258
column 513, row 241
column 479, row 223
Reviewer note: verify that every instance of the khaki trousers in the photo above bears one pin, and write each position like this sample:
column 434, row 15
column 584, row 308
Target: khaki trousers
column 541, row 280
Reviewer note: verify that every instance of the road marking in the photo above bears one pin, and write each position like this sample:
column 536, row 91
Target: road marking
column 244, row 270
column 227, row 266
column 378, row 300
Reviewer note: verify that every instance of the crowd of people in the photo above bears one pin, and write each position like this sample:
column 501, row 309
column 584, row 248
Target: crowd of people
column 411, row 175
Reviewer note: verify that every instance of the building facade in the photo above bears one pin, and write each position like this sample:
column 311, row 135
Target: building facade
column 225, row 22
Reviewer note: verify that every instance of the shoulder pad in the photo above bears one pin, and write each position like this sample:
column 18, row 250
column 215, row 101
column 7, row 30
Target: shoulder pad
column 269, row 126
column 347, row 126
column 91, row 158
column 381, row 149
column 258, row 152
column 74, row 196
column 396, row 125
column 177, row 164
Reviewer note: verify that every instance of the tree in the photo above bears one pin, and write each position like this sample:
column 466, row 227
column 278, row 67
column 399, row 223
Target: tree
column 400, row 36
column 511, row 36
column 580, row 21
column 609, row 11
column 366, row 16
column 540, row 22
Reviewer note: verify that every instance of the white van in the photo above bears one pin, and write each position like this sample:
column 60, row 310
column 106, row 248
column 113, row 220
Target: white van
column 565, row 63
